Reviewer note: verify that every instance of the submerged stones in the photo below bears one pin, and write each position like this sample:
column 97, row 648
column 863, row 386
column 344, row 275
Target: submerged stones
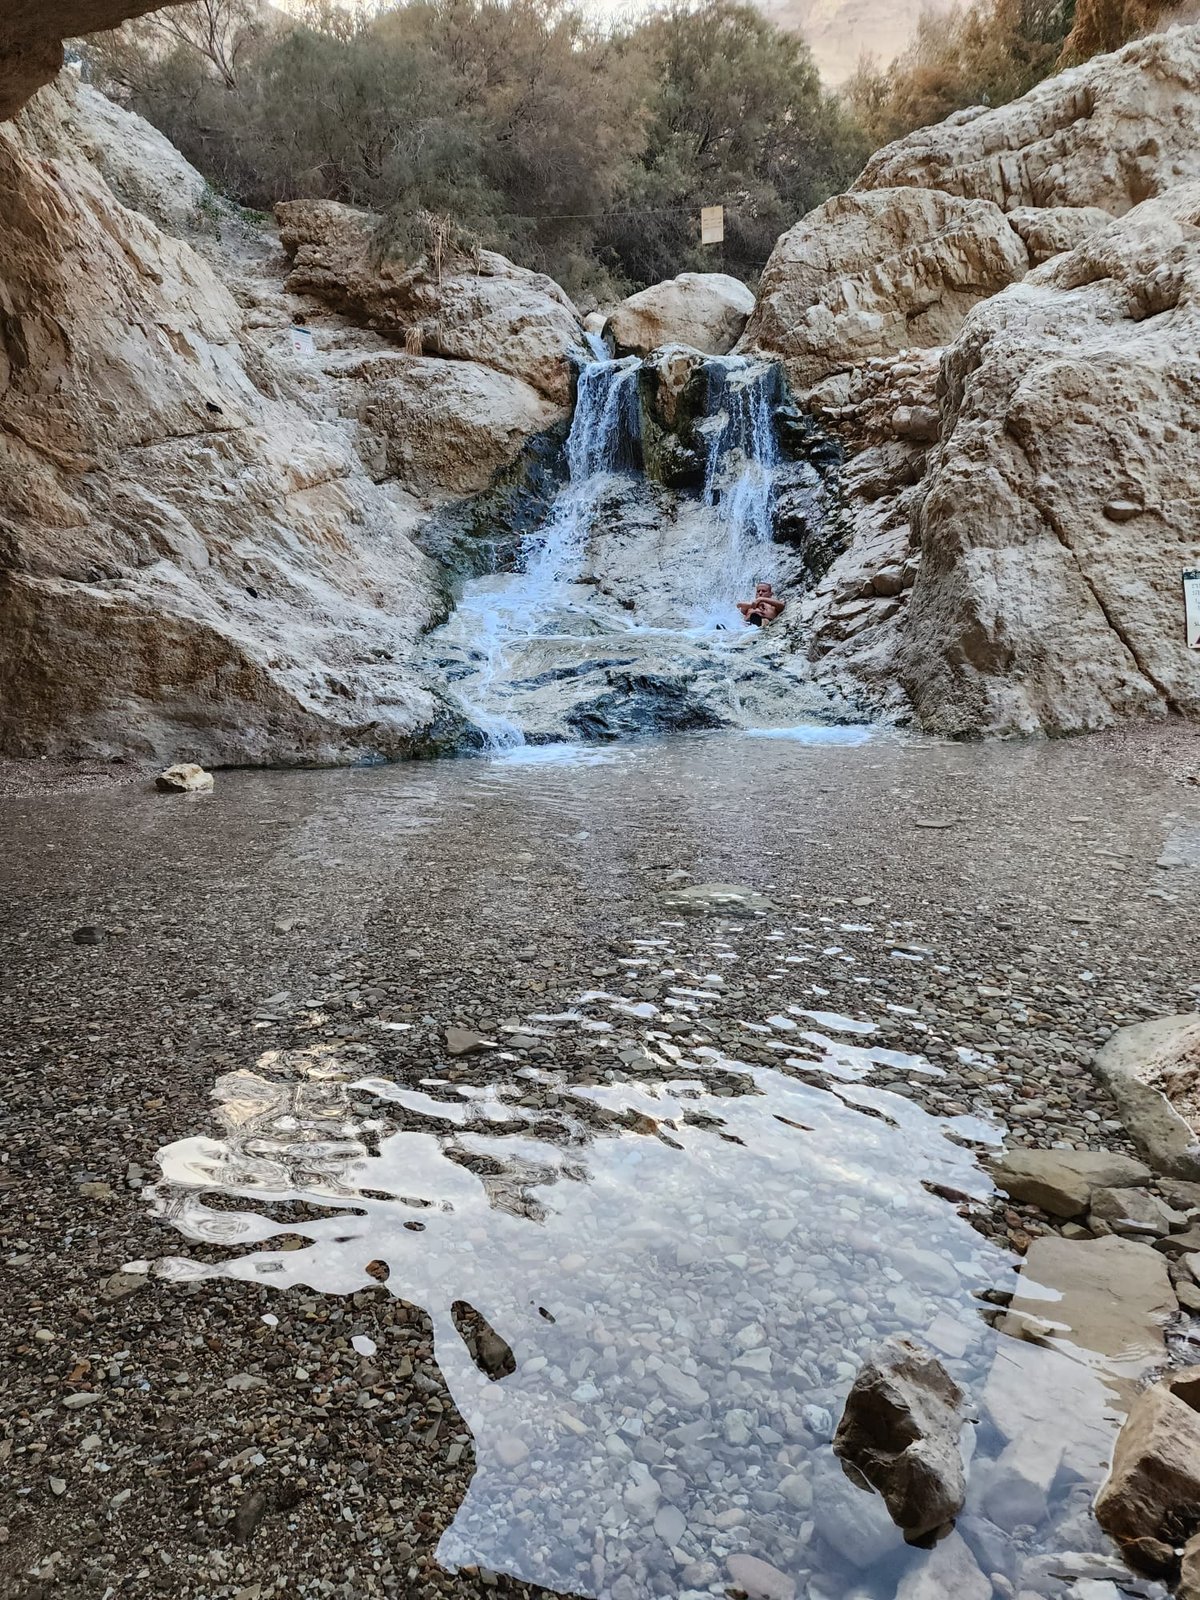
column 732, row 899
column 1109, row 1295
column 900, row 1430
column 758, row 1579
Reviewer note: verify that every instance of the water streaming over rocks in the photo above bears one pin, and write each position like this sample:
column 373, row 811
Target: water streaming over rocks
column 621, row 615
column 741, row 463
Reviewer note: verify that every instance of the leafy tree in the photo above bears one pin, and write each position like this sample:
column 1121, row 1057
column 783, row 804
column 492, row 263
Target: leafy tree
column 515, row 122
column 737, row 117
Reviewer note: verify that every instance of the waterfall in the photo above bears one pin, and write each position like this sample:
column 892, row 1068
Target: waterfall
column 528, row 645
column 603, row 440
column 741, row 462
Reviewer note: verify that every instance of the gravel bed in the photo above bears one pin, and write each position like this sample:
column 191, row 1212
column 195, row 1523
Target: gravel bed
column 995, row 910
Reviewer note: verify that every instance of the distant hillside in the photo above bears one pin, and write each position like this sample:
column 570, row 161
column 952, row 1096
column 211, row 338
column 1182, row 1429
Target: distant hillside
column 840, row 31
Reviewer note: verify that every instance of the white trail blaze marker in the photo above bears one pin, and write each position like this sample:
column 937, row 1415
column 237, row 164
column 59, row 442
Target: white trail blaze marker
column 712, row 224
column 1191, row 608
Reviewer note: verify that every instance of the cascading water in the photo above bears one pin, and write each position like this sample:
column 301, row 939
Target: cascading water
column 741, row 462
column 621, row 615
column 602, row 441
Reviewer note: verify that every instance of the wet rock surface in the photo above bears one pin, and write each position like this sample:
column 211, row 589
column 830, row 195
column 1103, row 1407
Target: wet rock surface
column 900, row 1430
column 201, row 1435
column 1151, row 1499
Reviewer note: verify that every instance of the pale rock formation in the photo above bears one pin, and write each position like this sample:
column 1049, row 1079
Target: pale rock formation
column 480, row 308
column 195, row 561
column 1063, row 501
column 1047, row 232
column 851, row 622
column 138, row 164
column 1118, row 130
column 706, row 311
column 1152, row 1071
column 444, row 427
column 184, row 778
column 1038, row 495
column 900, row 1429
column 870, row 274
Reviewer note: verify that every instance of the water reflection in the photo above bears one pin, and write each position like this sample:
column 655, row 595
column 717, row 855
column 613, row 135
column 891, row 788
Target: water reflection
column 717, row 1244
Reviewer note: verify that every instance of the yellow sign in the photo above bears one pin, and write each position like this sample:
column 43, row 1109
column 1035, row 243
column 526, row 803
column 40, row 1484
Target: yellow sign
column 712, row 224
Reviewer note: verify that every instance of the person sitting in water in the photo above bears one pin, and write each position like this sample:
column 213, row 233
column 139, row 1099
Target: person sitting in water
column 765, row 606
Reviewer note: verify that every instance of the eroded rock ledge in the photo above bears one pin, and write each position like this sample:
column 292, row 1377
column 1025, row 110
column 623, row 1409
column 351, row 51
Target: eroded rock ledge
column 207, row 536
column 32, row 32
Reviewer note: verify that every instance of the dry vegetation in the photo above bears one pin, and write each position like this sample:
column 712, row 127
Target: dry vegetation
column 525, row 128
column 987, row 53
column 583, row 153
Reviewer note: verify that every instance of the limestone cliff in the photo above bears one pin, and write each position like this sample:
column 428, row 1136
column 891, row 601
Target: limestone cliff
column 999, row 323
column 206, row 533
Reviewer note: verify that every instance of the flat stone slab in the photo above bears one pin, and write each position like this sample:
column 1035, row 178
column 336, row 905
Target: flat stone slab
column 1062, row 1182
column 1111, row 1296
column 1097, row 1308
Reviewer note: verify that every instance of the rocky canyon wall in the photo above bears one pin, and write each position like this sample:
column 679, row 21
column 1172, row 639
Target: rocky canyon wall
column 999, row 322
column 32, row 34
column 206, row 533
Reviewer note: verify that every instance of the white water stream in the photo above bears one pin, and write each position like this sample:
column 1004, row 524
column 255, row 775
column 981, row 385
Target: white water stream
column 550, row 596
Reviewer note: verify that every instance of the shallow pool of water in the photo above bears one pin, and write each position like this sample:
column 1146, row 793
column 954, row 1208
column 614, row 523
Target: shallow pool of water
column 698, row 1164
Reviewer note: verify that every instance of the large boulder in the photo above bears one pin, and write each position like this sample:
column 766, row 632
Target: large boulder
column 446, row 427
column 1150, row 1501
column 704, row 310
column 1063, row 501
column 1118, row 130
column 871, row 274
column 900, row 1430
column 478, row 308
column 1152, row 1071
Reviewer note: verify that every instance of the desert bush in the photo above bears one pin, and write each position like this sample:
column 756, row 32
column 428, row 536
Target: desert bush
column 580, row 153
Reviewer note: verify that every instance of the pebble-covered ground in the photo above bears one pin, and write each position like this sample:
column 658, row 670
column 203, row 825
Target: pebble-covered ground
column 300, row 943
